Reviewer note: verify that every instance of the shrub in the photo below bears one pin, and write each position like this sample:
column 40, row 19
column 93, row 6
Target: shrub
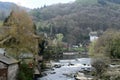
column 100, row 67
column 25, row 73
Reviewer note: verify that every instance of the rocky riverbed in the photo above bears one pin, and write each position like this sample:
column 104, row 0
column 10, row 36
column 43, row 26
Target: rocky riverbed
column 66, row 69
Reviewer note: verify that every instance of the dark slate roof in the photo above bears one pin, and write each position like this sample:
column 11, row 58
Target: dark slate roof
column 93, row 34
column 7, row 59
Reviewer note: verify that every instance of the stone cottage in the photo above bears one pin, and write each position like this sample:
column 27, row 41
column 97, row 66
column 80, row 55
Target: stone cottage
column 8, row 68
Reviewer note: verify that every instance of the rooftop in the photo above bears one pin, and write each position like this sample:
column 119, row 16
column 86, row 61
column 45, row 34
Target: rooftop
column 93, row 34
column 7, row 59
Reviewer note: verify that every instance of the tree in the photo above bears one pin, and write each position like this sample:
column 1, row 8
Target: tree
column 59, row 37
column 22, row 31
column 108, row 44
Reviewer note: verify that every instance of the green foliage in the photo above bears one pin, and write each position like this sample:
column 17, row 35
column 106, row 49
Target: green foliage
column 48, row 53
column 25, row 73
column 91, row 48
column 86, row 1
column 52, row 52
column 79, row 49
column 43, row 65
column 108, row 44
column 75, row 21
column 59, row 37
column 114, row 1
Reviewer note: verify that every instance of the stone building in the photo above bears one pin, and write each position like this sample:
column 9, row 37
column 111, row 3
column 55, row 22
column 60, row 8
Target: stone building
column 8, row 68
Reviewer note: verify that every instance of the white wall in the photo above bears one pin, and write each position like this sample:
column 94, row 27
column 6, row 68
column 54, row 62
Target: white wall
column 93, row 38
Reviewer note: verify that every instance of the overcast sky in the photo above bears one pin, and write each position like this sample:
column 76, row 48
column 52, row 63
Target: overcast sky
column 36, row 3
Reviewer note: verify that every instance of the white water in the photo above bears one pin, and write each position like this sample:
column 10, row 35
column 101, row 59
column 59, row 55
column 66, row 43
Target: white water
column 66, row 69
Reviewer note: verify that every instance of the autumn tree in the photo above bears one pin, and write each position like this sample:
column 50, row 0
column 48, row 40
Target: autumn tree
column 22, row 32
column 108, row 45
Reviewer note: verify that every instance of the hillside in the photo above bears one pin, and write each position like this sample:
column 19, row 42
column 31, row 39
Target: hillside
column 75, row 20
column 6, row 7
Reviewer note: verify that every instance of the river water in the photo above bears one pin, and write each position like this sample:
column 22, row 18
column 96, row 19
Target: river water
column 69, row 66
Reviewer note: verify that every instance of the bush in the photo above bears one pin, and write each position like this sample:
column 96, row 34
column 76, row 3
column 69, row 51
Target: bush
column 100, row 67
column 25, row 73
column 111, row 75
column 43, row 65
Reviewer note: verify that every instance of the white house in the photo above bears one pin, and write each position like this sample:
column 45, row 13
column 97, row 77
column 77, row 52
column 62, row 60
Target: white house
column 93, row 36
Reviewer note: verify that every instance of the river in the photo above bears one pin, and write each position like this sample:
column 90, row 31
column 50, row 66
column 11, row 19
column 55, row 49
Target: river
column 68, row 68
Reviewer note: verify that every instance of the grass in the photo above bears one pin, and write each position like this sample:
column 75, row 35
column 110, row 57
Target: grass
column 80, row 49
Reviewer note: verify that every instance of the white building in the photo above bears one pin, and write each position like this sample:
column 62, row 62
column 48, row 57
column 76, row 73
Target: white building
column 93, row 36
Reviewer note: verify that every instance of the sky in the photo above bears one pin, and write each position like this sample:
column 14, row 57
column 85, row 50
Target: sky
column 36, row 3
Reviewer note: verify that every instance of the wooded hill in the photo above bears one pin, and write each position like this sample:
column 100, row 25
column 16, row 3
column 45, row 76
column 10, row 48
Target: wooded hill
column 75, row 20
column 6, row 8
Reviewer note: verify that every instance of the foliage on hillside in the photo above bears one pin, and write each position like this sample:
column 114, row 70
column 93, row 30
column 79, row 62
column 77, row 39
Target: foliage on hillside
column 6, row 8
column 75, row 21
column 114, row 1
column 87, row 1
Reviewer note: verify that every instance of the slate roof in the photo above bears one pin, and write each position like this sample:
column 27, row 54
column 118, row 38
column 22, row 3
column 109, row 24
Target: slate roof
column 7, row 59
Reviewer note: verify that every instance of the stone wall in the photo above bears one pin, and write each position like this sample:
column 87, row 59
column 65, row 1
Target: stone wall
column 12, row 71
column 2, row 65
